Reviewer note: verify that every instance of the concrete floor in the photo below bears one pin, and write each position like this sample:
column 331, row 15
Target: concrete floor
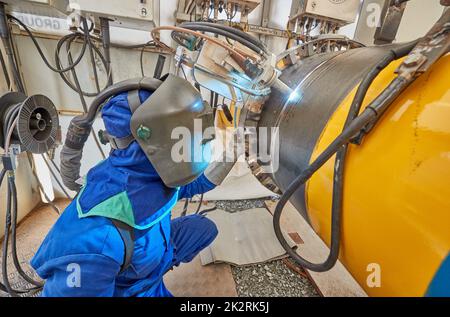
column 191, row 279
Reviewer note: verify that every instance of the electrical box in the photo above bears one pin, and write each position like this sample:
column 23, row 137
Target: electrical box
column 344, row 11
column 48, row 8
column 135, row 14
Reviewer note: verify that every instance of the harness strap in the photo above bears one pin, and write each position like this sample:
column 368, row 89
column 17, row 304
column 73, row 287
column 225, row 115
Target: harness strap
column 127, row 234
column 133, row 100
column 116, row 143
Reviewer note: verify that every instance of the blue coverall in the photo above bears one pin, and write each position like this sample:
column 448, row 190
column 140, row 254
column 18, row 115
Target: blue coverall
column 83, row 252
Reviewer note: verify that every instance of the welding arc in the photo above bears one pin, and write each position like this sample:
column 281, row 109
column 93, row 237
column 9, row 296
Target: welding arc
column 353, row 124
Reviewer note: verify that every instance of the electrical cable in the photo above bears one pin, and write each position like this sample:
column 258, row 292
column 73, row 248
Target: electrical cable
column 13, row 237
column 15, row 66
column 353, row 124
column 68, row 40
column 185, row 207
column 5, row 70
column 83, row 102
column 199, row 204
column 6, row 285
column 76, row 86
column 5, row 34
column 87, row 43
column 11, row 222
column 207, row 210
column 184, row 73
column 39, row 49
column 226, row 34
column 141, row 56
column 218, row 28
column 241, row 55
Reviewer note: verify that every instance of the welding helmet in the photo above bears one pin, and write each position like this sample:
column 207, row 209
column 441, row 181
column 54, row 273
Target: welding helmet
column 171, row 127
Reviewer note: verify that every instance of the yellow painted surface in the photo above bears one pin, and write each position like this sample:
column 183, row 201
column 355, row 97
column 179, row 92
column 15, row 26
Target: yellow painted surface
column 396, row 209
column 222, row 121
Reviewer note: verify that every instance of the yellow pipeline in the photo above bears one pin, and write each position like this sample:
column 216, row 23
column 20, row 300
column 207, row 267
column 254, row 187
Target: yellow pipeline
column 396, row 208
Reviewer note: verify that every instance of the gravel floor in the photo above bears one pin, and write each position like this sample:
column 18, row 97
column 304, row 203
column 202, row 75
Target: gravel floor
column 273, row 279
column 268, row 279
column 239, row 205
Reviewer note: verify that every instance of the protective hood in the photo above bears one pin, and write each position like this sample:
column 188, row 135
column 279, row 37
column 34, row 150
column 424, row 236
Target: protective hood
column 171, row 128
column 126, row 174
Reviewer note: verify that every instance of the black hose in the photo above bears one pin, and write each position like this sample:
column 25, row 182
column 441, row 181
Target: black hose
column 38, row 47
column 2, row 176
column 92, row 57
column 2, row 286
column 68, row 40
column 6, row 283
column 15, row 65
column 232, row 30
column 77, row 87
column 82, row 99
column 199, row 204
column 7, row 44
column 16, row 262
column 87, row 43
column 5, row 70
column 185, row 207
column 134, row 46
column 141, row 57
column 205, row 211
column 126, row 85
column 6, row 286
column 81, row 126
column 353, row 124
column 225, row 33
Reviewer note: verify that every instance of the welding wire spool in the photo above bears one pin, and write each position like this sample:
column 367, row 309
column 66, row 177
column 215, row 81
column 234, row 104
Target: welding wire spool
column 38, row 124
column 33, row 121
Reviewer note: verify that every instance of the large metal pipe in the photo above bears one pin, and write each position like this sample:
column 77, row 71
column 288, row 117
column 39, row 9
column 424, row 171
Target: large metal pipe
column 397, row 183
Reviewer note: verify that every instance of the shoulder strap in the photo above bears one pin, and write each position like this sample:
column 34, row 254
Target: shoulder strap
column 127, row 234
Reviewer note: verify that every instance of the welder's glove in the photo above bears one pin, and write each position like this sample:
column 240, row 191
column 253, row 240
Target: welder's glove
column 227, row 146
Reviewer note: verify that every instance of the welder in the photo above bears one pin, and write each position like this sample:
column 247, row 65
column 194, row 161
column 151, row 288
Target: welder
column 117, row 238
